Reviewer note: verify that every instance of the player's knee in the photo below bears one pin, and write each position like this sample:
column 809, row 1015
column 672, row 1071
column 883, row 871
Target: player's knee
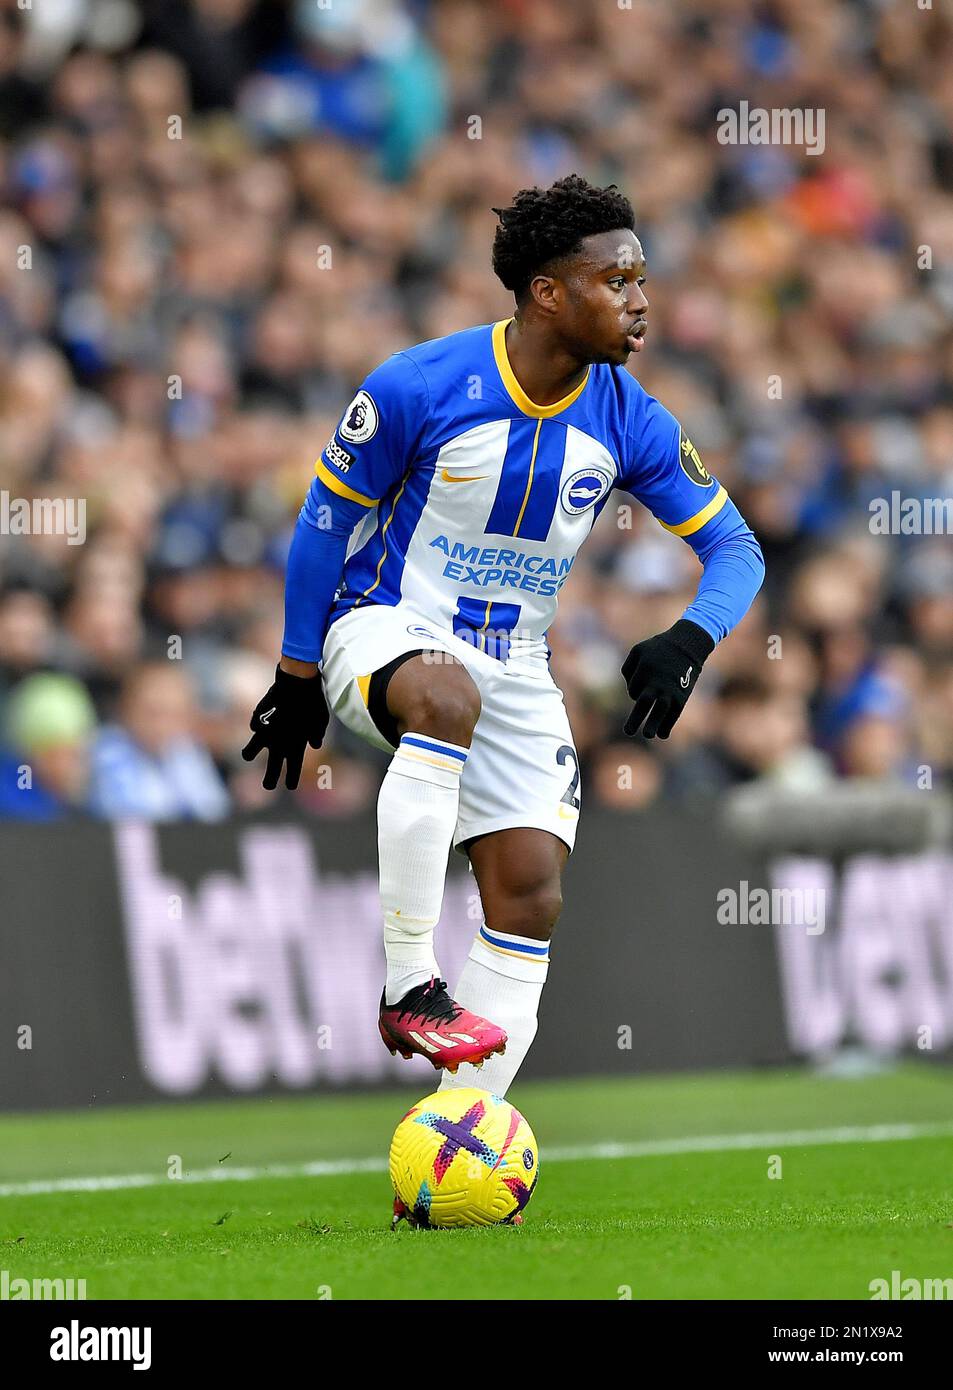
column 530, row 908
column 446, row 708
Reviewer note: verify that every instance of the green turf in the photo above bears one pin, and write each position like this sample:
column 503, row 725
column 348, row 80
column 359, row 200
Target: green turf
column 695, row 1225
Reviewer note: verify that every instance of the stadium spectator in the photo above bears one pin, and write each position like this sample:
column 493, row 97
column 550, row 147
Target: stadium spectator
column 27, row 636
column 760, row 732
column 360, row 70
column 149, row 764
column 45, row 767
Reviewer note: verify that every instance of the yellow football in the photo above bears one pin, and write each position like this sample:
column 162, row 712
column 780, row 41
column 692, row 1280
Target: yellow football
column 463, row 1158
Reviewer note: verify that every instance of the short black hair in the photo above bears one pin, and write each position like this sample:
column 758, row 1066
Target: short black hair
column 544, row 224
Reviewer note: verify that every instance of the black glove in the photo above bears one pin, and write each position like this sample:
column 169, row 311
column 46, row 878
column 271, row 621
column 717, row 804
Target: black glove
column 293, row 713
column 660, row 674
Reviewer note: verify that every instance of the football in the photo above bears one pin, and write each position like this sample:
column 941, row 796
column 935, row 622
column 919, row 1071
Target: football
column 462, row 1158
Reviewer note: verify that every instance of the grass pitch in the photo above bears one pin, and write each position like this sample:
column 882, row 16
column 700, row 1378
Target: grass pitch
column 651, row 1188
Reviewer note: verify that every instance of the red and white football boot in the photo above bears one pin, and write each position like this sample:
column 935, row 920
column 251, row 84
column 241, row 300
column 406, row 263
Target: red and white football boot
column 427, row 1021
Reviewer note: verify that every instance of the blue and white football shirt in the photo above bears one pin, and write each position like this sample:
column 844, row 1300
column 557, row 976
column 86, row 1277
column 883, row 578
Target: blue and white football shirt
column 478, row 500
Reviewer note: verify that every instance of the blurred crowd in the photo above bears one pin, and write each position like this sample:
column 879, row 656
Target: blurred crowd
column 219, row 215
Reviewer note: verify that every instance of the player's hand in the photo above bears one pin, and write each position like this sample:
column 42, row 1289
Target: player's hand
column 660, row 674
column 292, row 714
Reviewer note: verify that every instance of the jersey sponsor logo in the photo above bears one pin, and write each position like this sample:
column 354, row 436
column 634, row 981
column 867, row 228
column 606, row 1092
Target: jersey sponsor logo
column 490, row 567
column 692, row 466
column 360, row 419
column 338, row 456
column 583, row 489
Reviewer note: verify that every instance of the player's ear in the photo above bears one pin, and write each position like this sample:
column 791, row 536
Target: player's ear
column 547, row 292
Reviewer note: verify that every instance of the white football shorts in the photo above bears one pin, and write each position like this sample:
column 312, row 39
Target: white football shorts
column 522, row 769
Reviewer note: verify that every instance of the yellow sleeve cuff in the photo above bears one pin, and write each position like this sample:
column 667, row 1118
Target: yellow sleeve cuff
column 332, row 481
column 696, row 522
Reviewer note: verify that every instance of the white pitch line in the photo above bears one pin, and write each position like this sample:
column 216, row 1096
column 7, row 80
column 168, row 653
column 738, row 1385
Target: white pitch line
column 718, row 1143
column 648, row 1148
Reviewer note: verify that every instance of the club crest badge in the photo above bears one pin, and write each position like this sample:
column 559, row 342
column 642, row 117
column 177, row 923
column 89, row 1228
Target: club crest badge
column 583, row 490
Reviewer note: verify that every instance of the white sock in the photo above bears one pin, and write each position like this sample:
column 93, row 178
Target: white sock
column 416, row 817
column 502, row 980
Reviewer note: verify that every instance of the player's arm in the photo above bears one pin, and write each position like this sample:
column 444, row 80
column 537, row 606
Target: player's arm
column 669, row 478
column 369, row 449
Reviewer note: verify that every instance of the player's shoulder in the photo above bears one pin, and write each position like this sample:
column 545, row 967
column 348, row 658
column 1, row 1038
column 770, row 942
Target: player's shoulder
column 625, row 412
column 419, row 376
column 447, row 361
column 620, row 389
column 465, row 343
column 424, row 394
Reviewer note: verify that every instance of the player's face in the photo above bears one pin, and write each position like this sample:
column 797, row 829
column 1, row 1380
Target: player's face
column 604, row 307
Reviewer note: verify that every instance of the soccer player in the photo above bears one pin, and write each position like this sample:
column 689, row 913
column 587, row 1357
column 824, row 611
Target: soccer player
column 424, row 573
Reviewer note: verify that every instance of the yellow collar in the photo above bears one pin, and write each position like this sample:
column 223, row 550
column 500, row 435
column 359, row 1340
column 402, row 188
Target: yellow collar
column 515, row 390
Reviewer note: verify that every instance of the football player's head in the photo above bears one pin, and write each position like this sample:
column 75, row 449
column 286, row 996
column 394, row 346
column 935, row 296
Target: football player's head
column 570, row 256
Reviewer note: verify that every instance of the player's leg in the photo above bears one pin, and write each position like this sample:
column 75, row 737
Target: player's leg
column 519, row 874
column 429, row 709
column 432, row 712
column 519, row 810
